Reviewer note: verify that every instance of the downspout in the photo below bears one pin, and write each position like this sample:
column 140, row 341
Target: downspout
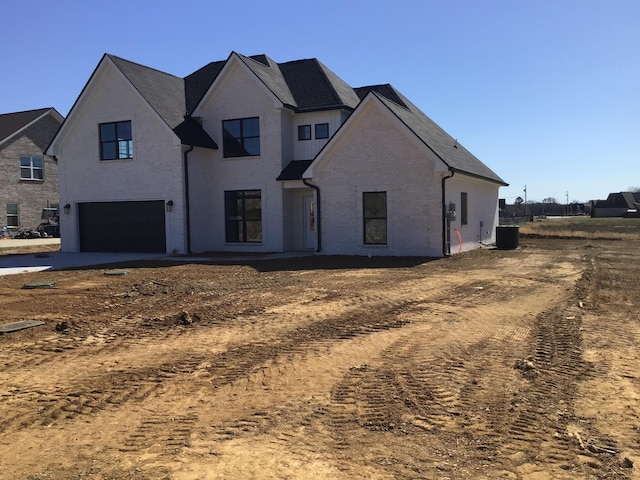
column 446, row 251
column 187, row 208
column 318, row 219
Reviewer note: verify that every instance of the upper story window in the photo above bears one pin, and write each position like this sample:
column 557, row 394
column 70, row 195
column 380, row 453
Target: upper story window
column 304, row 132
column 241, row 137
column 31, row 168
column 116, row 141
column 322, row 130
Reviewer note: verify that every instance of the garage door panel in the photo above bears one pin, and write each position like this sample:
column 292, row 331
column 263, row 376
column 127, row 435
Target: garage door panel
column 122, row 226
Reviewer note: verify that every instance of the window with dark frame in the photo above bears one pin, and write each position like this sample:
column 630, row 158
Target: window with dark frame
column 322, row 130
column 13, row 219
column 304, row 132
column 375, row 217
column 241, row 137
column 116, row 141
column 31, row 168
column 243, row 216
column 463, row 208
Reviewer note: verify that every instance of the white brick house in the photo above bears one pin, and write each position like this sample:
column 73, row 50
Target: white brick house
column 249, row 155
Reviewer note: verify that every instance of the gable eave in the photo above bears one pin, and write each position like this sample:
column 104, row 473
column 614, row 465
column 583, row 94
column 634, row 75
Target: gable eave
column 474, row 167
column 105, row 62
column 51, row 149
column 47, row 111
column 237, row 59
column 373, row 100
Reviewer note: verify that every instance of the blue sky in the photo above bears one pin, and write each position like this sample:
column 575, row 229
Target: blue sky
column 545, row 92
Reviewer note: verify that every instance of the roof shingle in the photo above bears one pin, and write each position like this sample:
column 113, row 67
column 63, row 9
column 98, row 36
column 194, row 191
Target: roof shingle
column 11, row 123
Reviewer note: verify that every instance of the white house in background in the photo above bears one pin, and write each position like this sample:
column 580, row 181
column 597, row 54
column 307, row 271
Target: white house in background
column 250, row 155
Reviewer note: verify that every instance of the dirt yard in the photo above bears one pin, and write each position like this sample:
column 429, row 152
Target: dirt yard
column 495, row 364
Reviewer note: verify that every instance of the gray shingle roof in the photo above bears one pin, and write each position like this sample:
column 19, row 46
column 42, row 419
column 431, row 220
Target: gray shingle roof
column 164, row 92
column 166, row 95
column 302, row 85
column 197, row 83
column 315, row 87
column 294, row 170
column 269, row 73
column 10, row 123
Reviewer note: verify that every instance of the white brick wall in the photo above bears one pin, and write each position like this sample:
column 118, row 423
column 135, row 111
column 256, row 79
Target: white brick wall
column 374, row 154
column 155, row 172
column 238, row 94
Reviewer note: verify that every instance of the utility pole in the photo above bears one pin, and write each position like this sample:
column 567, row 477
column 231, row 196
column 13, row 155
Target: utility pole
column 526, row 207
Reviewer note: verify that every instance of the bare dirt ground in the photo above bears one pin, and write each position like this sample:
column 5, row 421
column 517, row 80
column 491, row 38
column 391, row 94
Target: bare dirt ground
column 515, row 364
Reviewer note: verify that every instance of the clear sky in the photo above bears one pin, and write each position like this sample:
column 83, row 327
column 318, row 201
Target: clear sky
column 545, row 92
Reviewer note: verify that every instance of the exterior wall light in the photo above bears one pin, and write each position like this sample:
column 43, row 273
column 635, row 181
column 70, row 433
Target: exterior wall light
column 169, row 205
column 67, row 208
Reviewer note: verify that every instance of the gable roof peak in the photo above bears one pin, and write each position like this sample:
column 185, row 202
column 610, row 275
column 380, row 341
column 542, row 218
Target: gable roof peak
column 163, row 91
column 123, row 62
column 14, row 122
column 385, row 90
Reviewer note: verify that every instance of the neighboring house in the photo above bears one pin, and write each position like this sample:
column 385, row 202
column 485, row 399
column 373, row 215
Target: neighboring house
column 620, row 204
column 28, row 177
column 250, row 155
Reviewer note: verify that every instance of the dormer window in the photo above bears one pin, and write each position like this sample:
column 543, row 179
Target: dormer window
column 322, row 130
column 304, row 132
column 116, row 141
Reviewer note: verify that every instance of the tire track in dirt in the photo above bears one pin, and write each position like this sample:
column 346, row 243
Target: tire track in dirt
column 456, row 391
column 243, row 360
column 436, row 387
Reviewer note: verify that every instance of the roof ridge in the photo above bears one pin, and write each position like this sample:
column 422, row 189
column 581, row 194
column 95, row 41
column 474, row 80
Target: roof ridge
column 137, row 64
column 321, row 66
column 273, row 78
column 270, row 60
column 28, row 111
column 375, row 90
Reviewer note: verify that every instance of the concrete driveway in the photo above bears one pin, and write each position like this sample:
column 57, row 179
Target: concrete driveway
column 36, row 262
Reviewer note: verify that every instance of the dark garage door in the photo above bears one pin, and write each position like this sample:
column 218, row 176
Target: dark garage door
column 122, row 226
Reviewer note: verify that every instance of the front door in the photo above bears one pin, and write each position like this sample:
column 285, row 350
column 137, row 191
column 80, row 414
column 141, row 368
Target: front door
column 309, row 224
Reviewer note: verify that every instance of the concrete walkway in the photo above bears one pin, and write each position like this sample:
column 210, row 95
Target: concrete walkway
column 37, row 262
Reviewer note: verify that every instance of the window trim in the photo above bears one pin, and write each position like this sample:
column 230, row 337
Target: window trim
column 318, row 137
column 464, row 208
column 225, row 149
column 304, row 133
column 118, row 143
column 31, row 168
column 237, row 227
column 366, row 218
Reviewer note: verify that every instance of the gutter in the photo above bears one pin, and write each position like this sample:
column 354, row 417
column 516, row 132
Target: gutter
column 446, row 250
column 186, row 195
column 318, row 219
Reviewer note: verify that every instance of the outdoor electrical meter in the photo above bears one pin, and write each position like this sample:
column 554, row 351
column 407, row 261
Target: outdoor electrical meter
column 451, row 213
